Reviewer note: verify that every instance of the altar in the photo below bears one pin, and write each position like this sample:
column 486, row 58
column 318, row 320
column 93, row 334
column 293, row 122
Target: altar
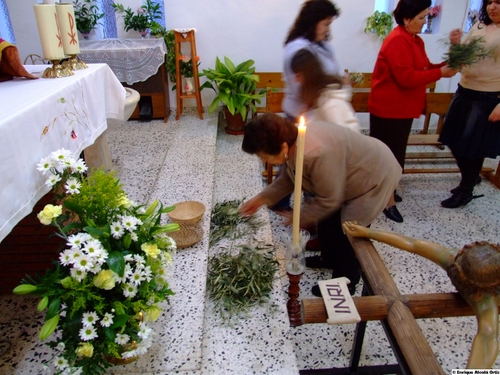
column 139, row 64
column 43, row 115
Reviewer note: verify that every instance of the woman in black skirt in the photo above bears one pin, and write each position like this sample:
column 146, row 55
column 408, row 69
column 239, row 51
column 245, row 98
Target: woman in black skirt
column 472, row 126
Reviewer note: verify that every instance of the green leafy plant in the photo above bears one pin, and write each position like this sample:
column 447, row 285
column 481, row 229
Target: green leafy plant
column 379, row 23
column 238, row 282
column 144, row 18
column 234, row 86
column 108, row 282
column 87, row 15
column 468, row 53
column 226, row 222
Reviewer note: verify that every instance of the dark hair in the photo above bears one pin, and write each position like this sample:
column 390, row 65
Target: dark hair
column 311, row 13
column 483, row 14
column 304, row 62
column 266, row 133
column 409, row 9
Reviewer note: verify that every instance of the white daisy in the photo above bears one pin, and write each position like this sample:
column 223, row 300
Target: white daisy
column 122, row 338
column 144, row 331
column 126, row 273
column 129, row 290
column 61, row 346
column 129, row 258
column 134, row 236
column 117, row 230
column 72, row 186
column 130, row 222
column 139, row 260
column 93, row 247
column 75, row 240
column 52, row 180
column 83, row 263
column 77, row 274
column 137, row 277
column 79, row 166
column 87, row 333
column 95, row 268
column 75, row 254
column 45, row 164
column 65, row 258
column 61, row 363
column 89, row 319
column 107, row 320
column 147, row 273
column 143, row 347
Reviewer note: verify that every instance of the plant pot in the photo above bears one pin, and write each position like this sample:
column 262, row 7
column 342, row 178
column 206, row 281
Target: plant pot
column 235, row 124
column 85, row 34
column 144, row 33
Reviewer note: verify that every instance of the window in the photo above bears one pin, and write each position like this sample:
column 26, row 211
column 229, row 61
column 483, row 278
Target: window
column 6, row 31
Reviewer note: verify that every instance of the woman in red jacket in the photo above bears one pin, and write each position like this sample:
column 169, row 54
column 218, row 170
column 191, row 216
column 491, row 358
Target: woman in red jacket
column 401, row 73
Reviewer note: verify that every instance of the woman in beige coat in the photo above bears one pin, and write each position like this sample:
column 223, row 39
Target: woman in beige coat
column 351, row 176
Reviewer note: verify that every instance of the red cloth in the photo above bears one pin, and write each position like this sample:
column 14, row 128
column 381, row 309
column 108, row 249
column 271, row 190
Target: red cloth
column 401, row 73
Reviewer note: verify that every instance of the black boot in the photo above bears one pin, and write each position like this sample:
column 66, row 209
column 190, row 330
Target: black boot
column 457, row 200
column 456, row 190
column 393, row 214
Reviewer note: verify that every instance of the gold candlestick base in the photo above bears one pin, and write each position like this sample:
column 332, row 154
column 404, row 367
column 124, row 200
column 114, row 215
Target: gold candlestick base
column 74, row 63
column 56, row 71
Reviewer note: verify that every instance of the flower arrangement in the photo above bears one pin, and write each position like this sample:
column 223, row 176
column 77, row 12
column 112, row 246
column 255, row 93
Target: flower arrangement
column 434, row 11
column 144, row 18
column 87, row 15
column 186, row 65
column 108, row 283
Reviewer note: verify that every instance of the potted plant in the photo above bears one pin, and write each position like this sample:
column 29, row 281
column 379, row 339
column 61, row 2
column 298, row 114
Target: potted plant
column 234, row 87
column 87, row 16
column 143, row 20
column 379, row 23
column 108, row 282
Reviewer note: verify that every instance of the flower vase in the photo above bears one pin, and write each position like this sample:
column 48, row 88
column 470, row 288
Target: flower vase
column 428, row 29
column 85, row 34
column 144, row 33
column 188, row 85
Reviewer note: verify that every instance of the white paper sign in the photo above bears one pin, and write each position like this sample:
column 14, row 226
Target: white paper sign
column 338, row 301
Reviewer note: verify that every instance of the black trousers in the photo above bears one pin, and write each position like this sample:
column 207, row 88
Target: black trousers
column 336, row 250
column 469, row 169
column 394, row 133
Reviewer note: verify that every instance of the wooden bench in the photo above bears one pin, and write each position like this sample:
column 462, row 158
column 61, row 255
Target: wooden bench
column 274, row 85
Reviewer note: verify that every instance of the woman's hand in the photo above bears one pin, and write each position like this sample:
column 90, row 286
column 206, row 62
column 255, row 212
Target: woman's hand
column 495, row 115
column 447, row 72
column 456, row 36
column 251, row 206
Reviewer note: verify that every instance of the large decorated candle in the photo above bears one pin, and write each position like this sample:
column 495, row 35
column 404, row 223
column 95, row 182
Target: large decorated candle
column 297, row 195
column 49, row 32
column 67, row 24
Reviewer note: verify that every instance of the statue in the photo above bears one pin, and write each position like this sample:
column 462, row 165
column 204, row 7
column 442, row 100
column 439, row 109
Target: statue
column 473, row 270
column 10, row 63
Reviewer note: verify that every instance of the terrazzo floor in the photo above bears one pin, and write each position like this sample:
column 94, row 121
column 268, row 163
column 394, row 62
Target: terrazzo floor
column 193, row 159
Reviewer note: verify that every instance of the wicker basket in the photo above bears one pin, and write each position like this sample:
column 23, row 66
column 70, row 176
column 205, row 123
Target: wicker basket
column 187, row 213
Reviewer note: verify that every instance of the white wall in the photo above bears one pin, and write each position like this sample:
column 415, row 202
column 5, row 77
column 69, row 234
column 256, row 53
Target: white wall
column 256, row 30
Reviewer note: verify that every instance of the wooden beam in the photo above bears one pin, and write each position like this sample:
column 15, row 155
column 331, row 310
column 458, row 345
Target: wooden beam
column 422, row 306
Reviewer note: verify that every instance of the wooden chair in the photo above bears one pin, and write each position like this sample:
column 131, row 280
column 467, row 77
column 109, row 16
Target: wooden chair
column 274, row 85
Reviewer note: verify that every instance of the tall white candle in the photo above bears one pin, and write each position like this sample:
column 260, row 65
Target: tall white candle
column 48, row 30
column 297, row 195
column 67, row 24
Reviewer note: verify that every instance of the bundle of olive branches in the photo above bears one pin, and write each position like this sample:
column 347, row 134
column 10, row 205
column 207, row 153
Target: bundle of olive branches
column 226, row 222
column 468, row 53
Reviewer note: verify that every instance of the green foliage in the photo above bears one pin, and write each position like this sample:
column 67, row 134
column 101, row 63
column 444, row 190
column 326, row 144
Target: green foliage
column 238, row 282
column 87, row 15
column 115, row 267
column 469, row 53
column 379, row 23
column 234, row 86
column 226, row 222
column 145, row 18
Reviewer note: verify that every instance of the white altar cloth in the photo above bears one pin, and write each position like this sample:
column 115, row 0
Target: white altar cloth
column 41, row 116
column 132, row 60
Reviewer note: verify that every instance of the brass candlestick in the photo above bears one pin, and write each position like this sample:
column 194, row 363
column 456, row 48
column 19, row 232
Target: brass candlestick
column 56, row 71
column 74, row 63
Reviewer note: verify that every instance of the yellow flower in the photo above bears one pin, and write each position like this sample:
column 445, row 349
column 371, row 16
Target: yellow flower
column 48, row 213
column 105, row 280
column 125, row 202
column 85, row 349
column 152, row 313
column 151, row 249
